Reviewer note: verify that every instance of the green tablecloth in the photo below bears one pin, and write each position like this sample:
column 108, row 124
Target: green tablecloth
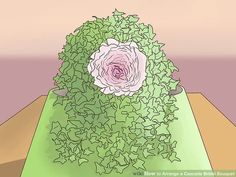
column 190, row 148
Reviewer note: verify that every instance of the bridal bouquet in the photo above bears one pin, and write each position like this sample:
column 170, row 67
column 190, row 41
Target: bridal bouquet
column 118, row 102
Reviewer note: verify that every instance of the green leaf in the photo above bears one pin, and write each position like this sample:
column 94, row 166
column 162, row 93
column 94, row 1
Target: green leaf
column 87, row 151
column 150, row 147
column 72, row 158
column 118, row 13
column 141, row 141
column 162, row 129
column 172, row 67
column 121, row 160
column 93, row 139
column 173, row 108
column 133, row 18
column 160, row 147
column 59, row 100
column 125, row 102
column 120, row 116
column 139, row 164
column 151, row 34
column 70, row 124
column 112, row 164
column 113, row 150
column 72, row 146
column 120, row 168
column 69, row 37
column 165, row 155
column 120, row 144
column 134, row 148
column 148, row 122
column 60, row 159
column 56, row 127
column 173, row 157
column 110, row 112
column 101, row 151
column 105, row 161
column 173, row 84
column 74, row 134
column 133, row 156
column 146, row 153
column 81, row 161
column 148, row 133
column 99, row 168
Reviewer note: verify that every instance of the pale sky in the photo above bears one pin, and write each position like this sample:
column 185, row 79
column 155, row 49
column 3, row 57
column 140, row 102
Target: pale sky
column 189, row 28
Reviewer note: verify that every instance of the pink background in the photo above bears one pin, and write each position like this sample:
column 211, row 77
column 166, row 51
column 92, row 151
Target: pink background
column 199, row 35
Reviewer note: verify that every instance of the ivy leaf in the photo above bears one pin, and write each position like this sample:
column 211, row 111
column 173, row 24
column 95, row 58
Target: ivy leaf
column 162, row 129
column 60, row 159
column 120, row 116
column 57, row 141
column 61, row 149
column 81, row 161
column 159, row 118
column 72, row 134
column 101, row 151
column 134, row 148
column 173, row 108
column 93, row 139
column 72, row 158
column 148, row 133
column 141, row 141
column 121, row 160
column 146, row 153
column 133, row 18
column 165, row 155
column 148, row 122
column 99, row 168
column 105, row 161
column 59, row 100
column 120, row 144
column 72, row 146
column 171, row 117
column 118, row 13
column 173, row 157
column 120, row 168
column 70, row 124
column 113, row 150
column 61, row 56
column 150, row 147
column 56, row 127
column 128, row 140
column 125, row 102
column 69, row 37
column 151, row 34
column 70, row 113
column 172, row 67
column 87, row 151
column 139, row 164
column 110, row 112
column 160, row 147
column 133, row 156
column 173, row 84
column 173, row 145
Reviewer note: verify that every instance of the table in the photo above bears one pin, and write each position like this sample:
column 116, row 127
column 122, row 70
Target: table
column 217, row 132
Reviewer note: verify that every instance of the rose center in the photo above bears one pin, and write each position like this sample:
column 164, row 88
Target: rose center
column 117, row 72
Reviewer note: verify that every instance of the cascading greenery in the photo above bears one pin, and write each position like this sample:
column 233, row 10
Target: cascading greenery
column 114, row 132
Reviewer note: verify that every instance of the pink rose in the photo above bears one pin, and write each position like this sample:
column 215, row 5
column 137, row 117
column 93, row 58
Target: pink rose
column 118, row 68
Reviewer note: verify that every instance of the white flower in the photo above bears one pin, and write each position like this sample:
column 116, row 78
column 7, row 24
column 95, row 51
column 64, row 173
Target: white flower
column 118, row 68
